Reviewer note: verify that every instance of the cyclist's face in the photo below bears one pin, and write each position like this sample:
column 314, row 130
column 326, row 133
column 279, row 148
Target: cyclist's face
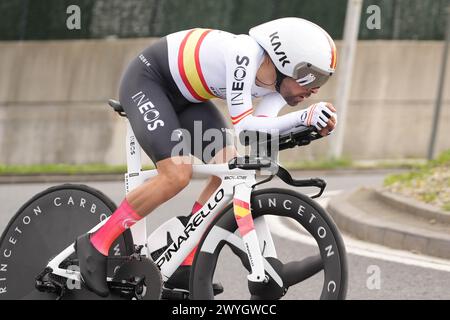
column 294, row 93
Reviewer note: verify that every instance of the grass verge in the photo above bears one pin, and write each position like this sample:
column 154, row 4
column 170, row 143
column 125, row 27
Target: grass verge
column 66, row 169
column 429, row 182
column 94, row 168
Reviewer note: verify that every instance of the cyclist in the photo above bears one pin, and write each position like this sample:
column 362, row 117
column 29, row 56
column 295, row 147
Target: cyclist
column 169, row 86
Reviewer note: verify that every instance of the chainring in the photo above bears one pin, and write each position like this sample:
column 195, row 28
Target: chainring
column 146, row 270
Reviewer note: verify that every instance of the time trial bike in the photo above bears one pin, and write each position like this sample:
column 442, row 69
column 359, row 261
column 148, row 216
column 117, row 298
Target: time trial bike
column 38, row 260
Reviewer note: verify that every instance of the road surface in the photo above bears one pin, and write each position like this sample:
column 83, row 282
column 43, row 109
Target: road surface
column 375, row 272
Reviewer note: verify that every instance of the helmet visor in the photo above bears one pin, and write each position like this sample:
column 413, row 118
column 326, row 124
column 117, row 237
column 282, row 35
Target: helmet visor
column 309, row 76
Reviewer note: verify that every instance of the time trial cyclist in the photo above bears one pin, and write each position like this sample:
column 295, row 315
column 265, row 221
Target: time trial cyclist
column 169, row 86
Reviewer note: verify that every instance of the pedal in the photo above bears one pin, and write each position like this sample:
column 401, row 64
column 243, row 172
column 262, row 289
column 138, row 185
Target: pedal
column 138, row 278
column 131, row 288
column 46, row 281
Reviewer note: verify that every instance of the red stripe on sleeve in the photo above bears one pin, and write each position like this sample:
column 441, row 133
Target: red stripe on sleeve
column 241, row 116
column 308, row 122
column 183, row 71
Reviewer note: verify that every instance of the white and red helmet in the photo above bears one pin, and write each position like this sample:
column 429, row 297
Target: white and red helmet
column 299, row 49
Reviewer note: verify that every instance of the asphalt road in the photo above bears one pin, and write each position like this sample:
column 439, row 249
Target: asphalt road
column 374, row 272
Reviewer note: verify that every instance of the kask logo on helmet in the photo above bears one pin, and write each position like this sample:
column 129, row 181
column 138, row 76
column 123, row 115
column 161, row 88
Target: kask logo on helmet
column 293, row 43
column 276, row 44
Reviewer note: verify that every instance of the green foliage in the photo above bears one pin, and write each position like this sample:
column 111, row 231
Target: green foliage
column 406, row 177
column 323, row 164
column 446, row 206
column 442, row 160
column 429, row 182
column 66, row 169
column 419, row 171
column 429, row 197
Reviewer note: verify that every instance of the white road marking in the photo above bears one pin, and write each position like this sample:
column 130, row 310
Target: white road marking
column 357, row 247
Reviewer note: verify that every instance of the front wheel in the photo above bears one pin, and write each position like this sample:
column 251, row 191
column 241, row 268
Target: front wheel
column 303, row 233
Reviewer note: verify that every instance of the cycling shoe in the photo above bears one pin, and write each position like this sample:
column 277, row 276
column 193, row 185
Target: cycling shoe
column 92, row 265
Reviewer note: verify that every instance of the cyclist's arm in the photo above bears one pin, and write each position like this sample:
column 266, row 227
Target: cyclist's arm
column 270, row 105
column 242, row 62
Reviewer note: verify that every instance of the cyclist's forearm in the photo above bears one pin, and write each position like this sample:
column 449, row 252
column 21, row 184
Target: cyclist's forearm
column 281, row 123
column 270, row 105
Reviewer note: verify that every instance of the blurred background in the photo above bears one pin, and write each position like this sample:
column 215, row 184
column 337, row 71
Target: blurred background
column 61, row 60
column 60, row 65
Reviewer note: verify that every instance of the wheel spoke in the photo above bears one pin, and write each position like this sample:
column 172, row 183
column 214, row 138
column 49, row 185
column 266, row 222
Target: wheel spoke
column 298, row 271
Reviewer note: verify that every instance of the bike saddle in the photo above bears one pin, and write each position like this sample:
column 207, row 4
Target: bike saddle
column 117, row 107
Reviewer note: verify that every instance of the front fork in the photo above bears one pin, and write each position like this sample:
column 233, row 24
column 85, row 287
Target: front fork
column 244, row 220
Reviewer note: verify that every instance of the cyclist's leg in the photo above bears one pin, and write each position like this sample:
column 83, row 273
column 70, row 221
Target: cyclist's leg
column 223, row 156
column 206, row 118
column 153, row 119
column 215, row 145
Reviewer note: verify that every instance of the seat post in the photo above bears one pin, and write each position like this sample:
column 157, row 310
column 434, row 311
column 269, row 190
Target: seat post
column 133, row 151
column 133, row 179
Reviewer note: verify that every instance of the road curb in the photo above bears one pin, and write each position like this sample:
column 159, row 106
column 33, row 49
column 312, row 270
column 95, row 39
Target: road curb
column 413, row 206
column 362, row 215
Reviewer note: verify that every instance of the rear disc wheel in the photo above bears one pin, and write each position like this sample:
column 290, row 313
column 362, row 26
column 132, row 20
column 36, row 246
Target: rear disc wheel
column 42, row 228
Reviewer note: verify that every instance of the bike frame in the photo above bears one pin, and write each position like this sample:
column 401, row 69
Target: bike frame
column 236, row 186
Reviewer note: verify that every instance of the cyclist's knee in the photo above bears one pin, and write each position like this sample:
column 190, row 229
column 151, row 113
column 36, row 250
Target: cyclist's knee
column 178, row 174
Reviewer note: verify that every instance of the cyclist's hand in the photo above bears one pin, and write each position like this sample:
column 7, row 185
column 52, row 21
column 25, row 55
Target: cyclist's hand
column 321, row 115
